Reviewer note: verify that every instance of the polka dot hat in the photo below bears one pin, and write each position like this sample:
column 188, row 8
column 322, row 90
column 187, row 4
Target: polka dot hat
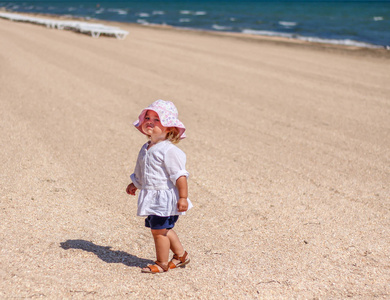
column 167, row 113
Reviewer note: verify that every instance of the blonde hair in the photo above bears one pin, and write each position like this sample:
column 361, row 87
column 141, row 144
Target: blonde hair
column 173, row 135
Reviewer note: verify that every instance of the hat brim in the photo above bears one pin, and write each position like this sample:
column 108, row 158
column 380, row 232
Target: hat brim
column 180, row 126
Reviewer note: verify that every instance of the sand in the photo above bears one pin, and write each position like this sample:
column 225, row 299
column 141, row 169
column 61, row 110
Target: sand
column 287, row 146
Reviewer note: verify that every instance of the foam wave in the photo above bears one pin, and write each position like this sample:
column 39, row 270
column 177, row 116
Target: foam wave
column 346, row 42
column 142, row 22
column 219, row 27
column 143, row 15
column 194, row 13
column 118, row 11
column 158, row 12
column 267, row 33
column 287, row 24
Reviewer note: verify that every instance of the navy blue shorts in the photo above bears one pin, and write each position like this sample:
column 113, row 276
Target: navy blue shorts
column 157, row 222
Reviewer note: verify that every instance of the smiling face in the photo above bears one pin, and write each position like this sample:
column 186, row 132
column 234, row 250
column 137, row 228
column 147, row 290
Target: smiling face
column 152, row 127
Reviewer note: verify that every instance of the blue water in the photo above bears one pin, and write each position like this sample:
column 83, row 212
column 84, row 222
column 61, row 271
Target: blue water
column 361, row 23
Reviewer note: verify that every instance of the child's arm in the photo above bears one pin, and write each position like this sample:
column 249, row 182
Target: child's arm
column 131, row 189
column 181, row 184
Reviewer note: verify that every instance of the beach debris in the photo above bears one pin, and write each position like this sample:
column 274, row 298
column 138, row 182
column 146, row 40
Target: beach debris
column 285, row 282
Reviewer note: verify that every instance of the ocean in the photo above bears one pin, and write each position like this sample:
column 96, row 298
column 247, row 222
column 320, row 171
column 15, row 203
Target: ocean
column 359, row 23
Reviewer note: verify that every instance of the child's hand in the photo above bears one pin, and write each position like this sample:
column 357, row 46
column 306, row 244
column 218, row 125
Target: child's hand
column 182, row 204
column 131, row 189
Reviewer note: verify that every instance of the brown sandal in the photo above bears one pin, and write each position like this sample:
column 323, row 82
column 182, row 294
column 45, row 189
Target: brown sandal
column 156, row 268
column 182, row 261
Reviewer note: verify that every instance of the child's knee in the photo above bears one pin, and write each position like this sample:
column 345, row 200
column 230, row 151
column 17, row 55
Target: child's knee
column 160, row 232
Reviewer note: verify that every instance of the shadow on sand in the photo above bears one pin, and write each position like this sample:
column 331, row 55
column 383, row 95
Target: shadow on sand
column 106, row 254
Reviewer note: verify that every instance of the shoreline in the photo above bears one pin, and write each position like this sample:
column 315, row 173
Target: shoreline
column 374, row 51
column 336, row 48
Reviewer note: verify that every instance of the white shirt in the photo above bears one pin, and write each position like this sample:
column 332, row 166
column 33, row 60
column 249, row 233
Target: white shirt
column 155, row 175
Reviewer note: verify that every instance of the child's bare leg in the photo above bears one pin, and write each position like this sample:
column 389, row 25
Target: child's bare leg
column 162, row 243
column 176, row 246
column 181, row 257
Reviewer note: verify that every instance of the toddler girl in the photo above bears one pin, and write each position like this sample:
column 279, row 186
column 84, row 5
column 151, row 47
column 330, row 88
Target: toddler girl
column 161, row 177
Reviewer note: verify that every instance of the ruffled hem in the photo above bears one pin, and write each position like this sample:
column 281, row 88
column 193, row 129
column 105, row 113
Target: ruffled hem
column 159, row 203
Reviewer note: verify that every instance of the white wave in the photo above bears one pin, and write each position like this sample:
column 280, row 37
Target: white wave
column 287, row 24
column 232, row 19
column 143, row 15
column 99, row 11
column 142, row 21
column 219, row 27
column 346, row 42
column 118, row 11
column 158, row 12
column 184, row 20
column 185, row 12
column 200, row 13
column 378, row 18
column 267, row 33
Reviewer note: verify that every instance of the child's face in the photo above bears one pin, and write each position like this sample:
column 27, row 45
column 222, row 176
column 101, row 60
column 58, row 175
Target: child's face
column 152, row 126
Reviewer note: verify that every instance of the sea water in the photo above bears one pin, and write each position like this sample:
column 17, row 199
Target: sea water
column 360, row 23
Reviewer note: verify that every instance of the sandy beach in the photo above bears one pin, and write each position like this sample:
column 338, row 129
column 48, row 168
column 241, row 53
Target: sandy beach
column 288, row 147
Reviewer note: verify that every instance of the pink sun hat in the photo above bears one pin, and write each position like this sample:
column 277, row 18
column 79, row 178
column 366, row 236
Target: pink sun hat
column 167, row 113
